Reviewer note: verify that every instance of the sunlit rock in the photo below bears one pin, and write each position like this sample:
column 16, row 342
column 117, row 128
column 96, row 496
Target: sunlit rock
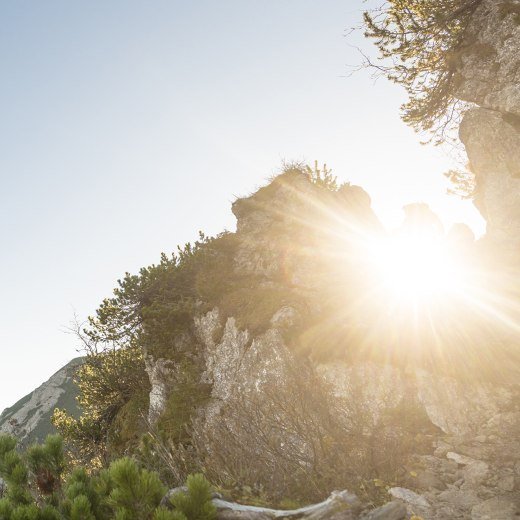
column 488, row 71
column 408, row 496
column 492, row 143
column 488, row 75
column 310, row 336
column 495, row 509
column 378, row 387
column 460, row 407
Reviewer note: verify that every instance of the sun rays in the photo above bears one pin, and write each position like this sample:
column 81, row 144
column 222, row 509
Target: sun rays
column 414, row 296
column 415, row 268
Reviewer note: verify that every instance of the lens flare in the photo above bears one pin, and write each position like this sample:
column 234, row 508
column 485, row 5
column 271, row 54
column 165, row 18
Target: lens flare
column 416, row 269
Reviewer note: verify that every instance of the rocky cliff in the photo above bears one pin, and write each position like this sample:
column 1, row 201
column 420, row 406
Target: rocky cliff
column 277, row 363
column 318, row 347
column 30, row 418
column 318, row 364
column 488, row 77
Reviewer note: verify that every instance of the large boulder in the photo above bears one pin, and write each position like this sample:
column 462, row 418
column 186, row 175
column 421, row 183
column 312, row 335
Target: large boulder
column 488, row 71
column 488, row 75
column 492, row 142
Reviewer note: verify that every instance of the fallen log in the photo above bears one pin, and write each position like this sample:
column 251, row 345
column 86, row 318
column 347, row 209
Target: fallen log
column 341, row 505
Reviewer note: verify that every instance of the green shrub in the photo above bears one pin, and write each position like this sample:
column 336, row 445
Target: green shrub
column 189, row 394
column 38, row 488
column 196, row 503
column 162, row 513
column 136, row 492
column 113, row 386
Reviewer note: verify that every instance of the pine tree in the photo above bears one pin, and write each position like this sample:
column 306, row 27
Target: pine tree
column 43, row 465
column 39, row 489
column 162, row 513
column 196, row 504
column 419, row 42
column 136, row 492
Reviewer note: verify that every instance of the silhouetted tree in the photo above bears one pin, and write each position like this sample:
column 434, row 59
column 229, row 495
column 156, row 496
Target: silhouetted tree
column 420, row 43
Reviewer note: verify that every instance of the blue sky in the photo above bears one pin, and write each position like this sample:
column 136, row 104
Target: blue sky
column 127, row 126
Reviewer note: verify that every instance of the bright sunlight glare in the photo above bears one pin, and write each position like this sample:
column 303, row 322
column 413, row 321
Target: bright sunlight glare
column 416, row 268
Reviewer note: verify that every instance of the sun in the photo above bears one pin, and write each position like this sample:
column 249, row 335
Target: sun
column 416, row 268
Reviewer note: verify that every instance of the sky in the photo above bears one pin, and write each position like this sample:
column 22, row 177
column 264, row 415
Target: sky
column 128, row 126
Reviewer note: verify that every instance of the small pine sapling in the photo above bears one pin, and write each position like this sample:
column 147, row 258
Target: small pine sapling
column 196, row 504
column 162, row 513
column 136, row 492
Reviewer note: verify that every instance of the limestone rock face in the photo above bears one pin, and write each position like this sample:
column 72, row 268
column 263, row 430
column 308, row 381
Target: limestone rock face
column 244, row 373
column 379, row 387
column 237, row 365
column 160, row 374
column 492, row 143
column 268, row 374
column 281, row 226
column 30, row 418
column 457, row 407
column 488, row 76
column 489, row 70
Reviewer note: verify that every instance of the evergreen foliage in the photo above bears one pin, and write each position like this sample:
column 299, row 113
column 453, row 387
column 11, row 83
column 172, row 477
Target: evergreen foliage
column 148, row 314
column 322, row 177
column 35, row 489
column 420, row 43
column 196, row 503
column 152, row 308
column 135, row 493
column 162, row 513
column 151, row 314
column 462, row 183
column 33, row 481
column 108, row 380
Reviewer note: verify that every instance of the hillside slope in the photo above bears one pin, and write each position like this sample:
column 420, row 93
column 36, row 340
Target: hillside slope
column 30, row 418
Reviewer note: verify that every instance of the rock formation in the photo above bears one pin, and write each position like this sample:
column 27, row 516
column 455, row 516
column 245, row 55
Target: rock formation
column 30, row 418
column 488, row 77
column 300, row 353
column 471, row 462
column 473, row 469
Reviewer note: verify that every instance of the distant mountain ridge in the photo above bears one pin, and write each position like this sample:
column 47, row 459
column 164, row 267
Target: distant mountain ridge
column 30, row 418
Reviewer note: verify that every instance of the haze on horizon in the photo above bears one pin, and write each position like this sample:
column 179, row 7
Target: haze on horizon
column 127, row 128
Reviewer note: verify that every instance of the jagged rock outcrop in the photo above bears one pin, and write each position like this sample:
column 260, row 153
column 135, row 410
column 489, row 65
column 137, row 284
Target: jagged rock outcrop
column 476, row 476
column 488, row 73
column 475, row 467
column 492, row 142
column 455, row 407
column 30, row 418
column 488, row 76
column 160, row 373
column 257, row 379
column 472, row 469
column 461, row 408
column 279, row 230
